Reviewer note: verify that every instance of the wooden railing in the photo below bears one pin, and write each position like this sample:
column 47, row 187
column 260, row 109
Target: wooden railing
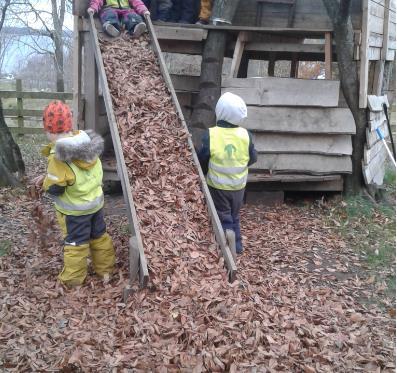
column 20, row 114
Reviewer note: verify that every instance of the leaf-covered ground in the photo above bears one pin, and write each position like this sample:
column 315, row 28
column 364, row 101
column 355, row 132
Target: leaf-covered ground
column 296, row 306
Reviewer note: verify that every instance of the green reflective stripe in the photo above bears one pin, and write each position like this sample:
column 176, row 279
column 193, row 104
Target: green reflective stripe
column 215, row 179
column 79, row 207
column 226, row 170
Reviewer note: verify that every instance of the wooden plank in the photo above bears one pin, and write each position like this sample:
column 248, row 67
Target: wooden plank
column 372, row 136
column 18, row 88
column 376, row 9
column 378, row 77
column 77, row 73
column 26, row 130
column 121, row 167
column 364, row 63
column 375, row 170
column 328, row 55
column 237, row 54
column 374, row 54
column 305, row 163
column 180, row 33
column 386, row 27
column 311, row 186
column 284, row 91
column 23, row 113
column 216, row 224
column 186, row 83
column 370, row 153
column 377, row 115
column 375, row 40
column 182, row 46
column 374, row 124
column 300, row 120
column 289, row 178
column 90, row 78
column 36, row 95
column 294, row 143
column 375, row 24
column 375, row 103
column 284, row 47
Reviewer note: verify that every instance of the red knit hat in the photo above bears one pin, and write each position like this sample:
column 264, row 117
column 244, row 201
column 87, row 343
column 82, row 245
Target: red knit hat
column 57, row 118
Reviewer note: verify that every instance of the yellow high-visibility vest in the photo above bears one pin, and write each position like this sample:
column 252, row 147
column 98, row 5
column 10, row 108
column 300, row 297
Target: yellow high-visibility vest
column 229, row 156
column 85, row 196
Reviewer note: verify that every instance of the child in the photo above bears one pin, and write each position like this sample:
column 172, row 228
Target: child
column 115, row 13
column 74, row 181
column 226, row 152
column 205, row 12
column 162, row 9
column 184, row 11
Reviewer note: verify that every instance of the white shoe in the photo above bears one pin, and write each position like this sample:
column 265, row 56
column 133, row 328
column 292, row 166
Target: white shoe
column 110, row 29
column 139, row 29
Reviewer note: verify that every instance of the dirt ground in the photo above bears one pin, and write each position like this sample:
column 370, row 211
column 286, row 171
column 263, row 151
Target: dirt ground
column 314, row 294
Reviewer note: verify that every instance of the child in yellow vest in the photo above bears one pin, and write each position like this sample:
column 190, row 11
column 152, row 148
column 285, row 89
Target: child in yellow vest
column 225, row 154
column 74, row 181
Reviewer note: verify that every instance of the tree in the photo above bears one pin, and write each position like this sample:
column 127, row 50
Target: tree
column 339, row 12
column 11, row 161
column 51, row 20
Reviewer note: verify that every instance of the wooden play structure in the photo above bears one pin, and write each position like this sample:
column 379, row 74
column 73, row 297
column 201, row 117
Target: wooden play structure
column 302, row 128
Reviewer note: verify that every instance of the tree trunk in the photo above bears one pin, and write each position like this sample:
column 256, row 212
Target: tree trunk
column 59, row 64
column 11, row 162
column 210, row 83
column 344, row 40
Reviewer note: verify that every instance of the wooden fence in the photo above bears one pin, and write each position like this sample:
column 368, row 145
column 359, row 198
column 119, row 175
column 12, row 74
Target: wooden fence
column 20, row 114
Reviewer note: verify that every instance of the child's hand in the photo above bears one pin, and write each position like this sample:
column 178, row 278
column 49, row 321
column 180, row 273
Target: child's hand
column 38, row 181
column 146, row 13
column 90, row 11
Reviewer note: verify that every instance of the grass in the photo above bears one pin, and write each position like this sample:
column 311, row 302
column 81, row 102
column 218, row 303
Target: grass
column 370, row 229
column 5, row 246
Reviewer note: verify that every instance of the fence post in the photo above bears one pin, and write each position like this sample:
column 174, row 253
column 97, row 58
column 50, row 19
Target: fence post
column 18, row 84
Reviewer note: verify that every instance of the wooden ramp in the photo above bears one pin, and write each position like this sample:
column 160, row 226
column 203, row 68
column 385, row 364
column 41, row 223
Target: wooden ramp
column 137, row 261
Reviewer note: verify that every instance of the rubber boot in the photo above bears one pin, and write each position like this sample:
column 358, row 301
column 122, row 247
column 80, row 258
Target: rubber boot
column 74, row 269
column 102, row 254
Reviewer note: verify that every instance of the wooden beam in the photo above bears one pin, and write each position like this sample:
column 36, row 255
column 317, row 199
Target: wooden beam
column 328, row 56
column 238, row 53
column 306, row 163
column 180, row 33
column 284, row 91
column 272, row 64
column 284, row 47
column 77, row 73
column 300, row 120
column 375, row 103
column 294, row 72
column 268, row 143
column 364, row 63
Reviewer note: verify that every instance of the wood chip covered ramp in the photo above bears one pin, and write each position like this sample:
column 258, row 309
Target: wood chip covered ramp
column 171, row 214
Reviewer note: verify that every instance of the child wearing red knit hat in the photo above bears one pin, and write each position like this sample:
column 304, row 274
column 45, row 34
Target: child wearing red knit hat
column 74, row 181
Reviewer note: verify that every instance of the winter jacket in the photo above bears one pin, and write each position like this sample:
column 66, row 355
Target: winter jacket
column 137, row 5
column 71, row 156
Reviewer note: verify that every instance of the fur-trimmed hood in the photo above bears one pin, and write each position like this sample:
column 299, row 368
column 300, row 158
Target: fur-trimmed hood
column 83, row 148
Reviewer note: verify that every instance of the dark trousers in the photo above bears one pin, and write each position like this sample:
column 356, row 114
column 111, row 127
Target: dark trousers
column 118, row 17
column 81, row 229
column 184, row 11
column 228, row 204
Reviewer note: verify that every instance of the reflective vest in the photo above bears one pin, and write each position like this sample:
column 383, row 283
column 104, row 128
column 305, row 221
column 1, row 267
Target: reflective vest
column 118, row 4
column 229, row 156
column 85, row 196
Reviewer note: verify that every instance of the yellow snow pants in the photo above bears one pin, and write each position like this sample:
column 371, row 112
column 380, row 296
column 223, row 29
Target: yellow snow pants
column 205, row 9
column 85, row 235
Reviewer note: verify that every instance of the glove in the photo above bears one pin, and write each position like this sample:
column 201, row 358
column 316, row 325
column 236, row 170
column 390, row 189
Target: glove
column 91, row 11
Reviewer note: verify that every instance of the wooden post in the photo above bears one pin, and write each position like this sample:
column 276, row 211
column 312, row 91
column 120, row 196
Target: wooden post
column 364, row 62
column 294, row 66
column 328, row 56
column 380, row 65
column 238, row 53
column 272, row 64
column 18, row 86
column 90, row 73
column 77, row 70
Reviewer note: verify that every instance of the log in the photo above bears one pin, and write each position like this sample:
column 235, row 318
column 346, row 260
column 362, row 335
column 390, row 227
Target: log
column 300, row 120
column 284, row 91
